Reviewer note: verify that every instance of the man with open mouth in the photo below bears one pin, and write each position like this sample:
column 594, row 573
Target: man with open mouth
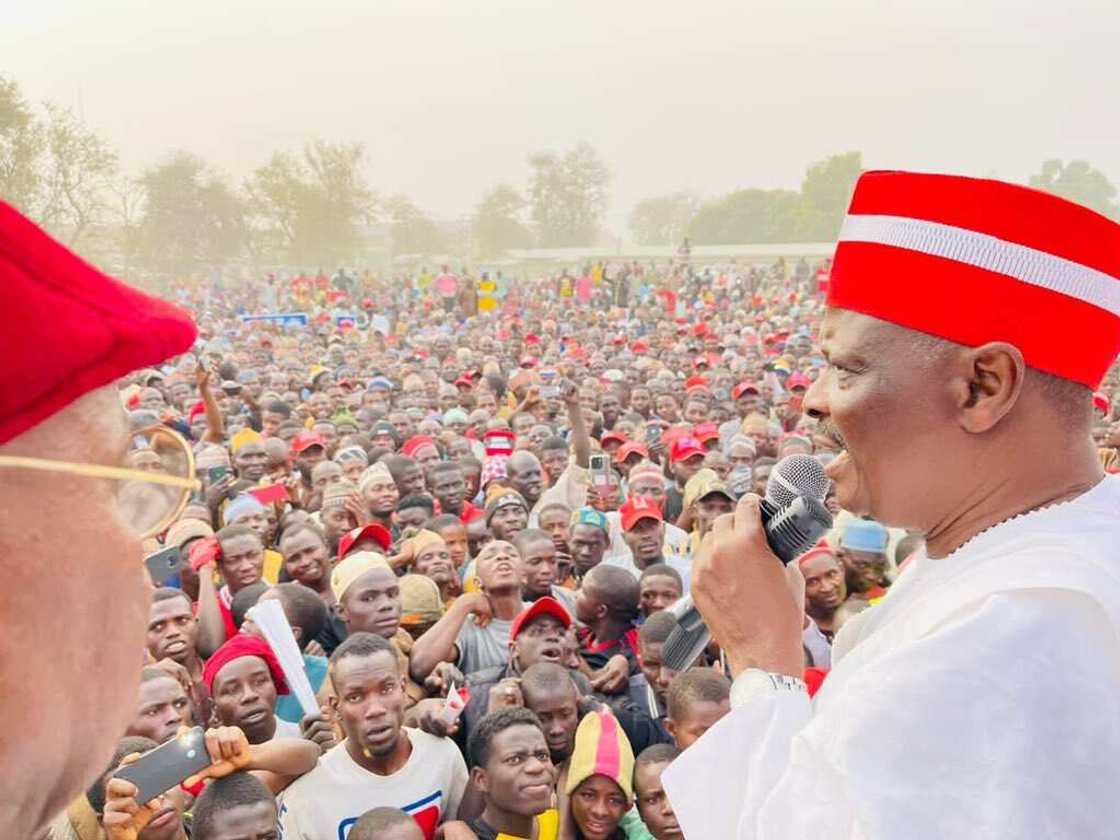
column 969, row 323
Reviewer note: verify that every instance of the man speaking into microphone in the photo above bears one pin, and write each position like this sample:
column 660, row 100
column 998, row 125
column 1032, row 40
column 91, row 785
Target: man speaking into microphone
column 968, row 324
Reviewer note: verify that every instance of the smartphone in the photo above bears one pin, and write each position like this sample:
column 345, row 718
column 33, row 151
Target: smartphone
column 161, row 769
column 599, row 466
column 653, row 435
column 163, row 564
column 550, row 390
column 216, row 474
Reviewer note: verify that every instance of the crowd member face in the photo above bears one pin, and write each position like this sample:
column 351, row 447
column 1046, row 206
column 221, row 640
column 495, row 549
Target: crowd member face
column 426, row 456
column 402, row 423
column 198, row 426
column 450, row 488
column 699, row 717
column 521, row 424
column 863, row 570
column 369, row 703
column 311, row 456
column 695, row 412
column 525, row 476
column 412, row 517
column 718, row 463
column 588, row 543
column 163, row 707
column 598, row 806
column 319, row 404
column 554, row 462
column 610, row 408
column 152, row 400
column 242, row 562
column 172, row 630
column 455, row 537
column 518, row 776
column 336, row 522
column 306, row 559
column 554, row 522
column 748, row 403
column 667, row 409
column 825, row 589
column 542, row 640
column 435, row 562
column 487, row 402
column 649, row 488
column 558, row 711
column 641, row 401
column 658, row 592
column 710, row 508
column 759, row 476
column 381, row 496
column 372, row 604
column 588, row 397
column 329, row 433
column 653, row 804
column 538, row 567
column 740, row 455
column 645, row 540
column 657, row 675
column 686, row 468
column 244, row 695
column 253, row 821
column 270, row 423
column 499, row 567
column 251, row 461
column 411, row 481
column 538, row 435
column 508, row 521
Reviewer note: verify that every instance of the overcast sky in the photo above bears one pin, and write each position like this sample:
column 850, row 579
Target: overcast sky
column 450, row 97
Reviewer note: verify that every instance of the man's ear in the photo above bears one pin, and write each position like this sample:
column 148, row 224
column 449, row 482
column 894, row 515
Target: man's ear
column 342, row 615
column 298, row 633
column 480, row 780
column 671, row 728
column 989, row 385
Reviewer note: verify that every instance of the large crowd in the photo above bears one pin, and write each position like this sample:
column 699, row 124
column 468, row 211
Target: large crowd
column 477, row 489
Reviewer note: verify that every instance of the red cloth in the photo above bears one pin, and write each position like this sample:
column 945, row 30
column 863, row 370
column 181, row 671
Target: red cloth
column 414, row 443
column 67, row 329
column 237, row 647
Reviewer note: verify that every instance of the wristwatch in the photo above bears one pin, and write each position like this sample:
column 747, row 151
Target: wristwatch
column 755, row 682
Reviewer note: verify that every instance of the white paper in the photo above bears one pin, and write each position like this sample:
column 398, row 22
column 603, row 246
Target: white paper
column 273, row 624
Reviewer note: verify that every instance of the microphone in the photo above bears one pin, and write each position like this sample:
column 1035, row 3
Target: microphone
column 794, row 518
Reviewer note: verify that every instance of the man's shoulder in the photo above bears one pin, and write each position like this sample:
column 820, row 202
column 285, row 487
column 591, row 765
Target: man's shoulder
column 331, row 770
column 427, row 748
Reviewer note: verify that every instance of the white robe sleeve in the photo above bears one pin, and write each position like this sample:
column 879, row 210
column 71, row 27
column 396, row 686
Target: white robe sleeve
column 1001, row 722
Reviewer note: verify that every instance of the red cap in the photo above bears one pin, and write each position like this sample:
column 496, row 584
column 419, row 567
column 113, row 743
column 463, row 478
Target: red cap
column 618, row 340
column 305, row 440
column 619, row 436
column 983, row 261
column 637, row 508
column 685, row 448
column 695, row 382
column 700, row 330
column 196, row 409
column 639, row 346
column 372, row 531
column 414, row 443
column 94, row 329
column 798, row 380
column 702, row 359
column 747, row 387
column 541, row 606
column 464, row 382
column 630, row 448
column 244, row 645
column 704, row 432
column 532, row 338
column 1100, row 401
column 528, row 361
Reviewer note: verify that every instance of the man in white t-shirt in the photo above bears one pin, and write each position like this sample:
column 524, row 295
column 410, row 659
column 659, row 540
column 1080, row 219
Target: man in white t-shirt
column 380, row 763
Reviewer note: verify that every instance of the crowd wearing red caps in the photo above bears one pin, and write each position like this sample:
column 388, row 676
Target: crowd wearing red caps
column 491, row 501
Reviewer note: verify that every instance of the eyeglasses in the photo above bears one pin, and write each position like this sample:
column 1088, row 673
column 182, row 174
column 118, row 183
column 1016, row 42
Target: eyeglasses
column 152, row 487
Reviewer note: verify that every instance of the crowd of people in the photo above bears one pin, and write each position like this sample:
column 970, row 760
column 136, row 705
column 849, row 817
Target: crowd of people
column 475, row 487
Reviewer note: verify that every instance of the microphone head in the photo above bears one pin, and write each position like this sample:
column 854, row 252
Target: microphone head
column 797, row 475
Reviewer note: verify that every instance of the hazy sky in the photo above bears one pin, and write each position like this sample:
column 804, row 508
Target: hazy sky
column 449, row 97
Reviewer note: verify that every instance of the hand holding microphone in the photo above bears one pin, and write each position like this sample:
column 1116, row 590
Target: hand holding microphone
column 742, row 593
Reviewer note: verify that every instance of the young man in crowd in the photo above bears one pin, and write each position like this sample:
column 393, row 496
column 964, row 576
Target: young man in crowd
column 653, row 804
column 240, row 560
column 825, row 589
column 380, row 763
column 659, row 587
column 696, row 700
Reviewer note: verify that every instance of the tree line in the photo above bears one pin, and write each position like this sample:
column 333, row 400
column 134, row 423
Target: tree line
column 315, row 208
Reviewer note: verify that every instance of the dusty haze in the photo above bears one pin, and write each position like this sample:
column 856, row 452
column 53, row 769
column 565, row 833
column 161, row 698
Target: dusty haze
column 449, row 97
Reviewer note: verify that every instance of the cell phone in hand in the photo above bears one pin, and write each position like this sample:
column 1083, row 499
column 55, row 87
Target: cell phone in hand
column 164, row 564
column 216, row 474
column 600, row 464
column 161, row 769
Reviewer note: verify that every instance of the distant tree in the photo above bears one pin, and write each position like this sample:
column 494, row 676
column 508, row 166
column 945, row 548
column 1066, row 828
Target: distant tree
column 411, row 231
column 663, row 219
column 568, row 195
column 825, row 192
column 311, row 207
column 78, row 169
column 125, row 208
column 1079, row 182
column 498, row 224
column 22, row 142
column 192, row 221
column 748, row 216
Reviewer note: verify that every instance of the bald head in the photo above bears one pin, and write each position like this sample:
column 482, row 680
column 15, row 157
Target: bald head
column 524, row 473
column 615, row 587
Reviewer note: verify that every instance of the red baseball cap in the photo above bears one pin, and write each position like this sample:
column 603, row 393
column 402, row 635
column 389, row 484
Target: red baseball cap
column 685, row 448
column 638, row 508
column 379, row 533
column 541, row 606
column 695, row 382
column 612, row 435
column 704, row 432
column 747, row 387
column 639, row 346
column 630, row 448
column 305, row 440
column 528, row 361
column 464, row 382
column 798, row 380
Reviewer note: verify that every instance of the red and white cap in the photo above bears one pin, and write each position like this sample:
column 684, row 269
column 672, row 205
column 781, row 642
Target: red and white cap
column 974, row 261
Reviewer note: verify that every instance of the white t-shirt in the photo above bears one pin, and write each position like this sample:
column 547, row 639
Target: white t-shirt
column 326, row 802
